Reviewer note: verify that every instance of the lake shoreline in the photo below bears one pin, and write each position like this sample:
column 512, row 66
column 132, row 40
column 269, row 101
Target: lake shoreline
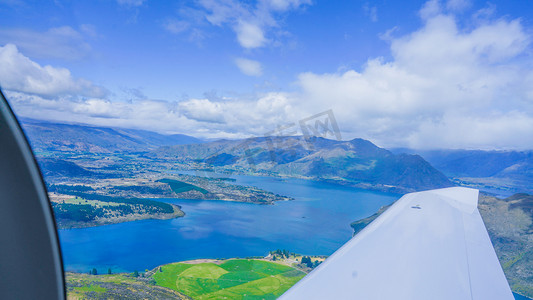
column 225, row 229
column 177, row 213
column 389, row 189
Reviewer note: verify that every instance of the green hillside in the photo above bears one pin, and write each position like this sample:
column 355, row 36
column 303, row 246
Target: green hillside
column 509, row 223
column 181, row 187
column 233, row 279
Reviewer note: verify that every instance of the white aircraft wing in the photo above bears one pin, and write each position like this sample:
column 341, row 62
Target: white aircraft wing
column 427, row 245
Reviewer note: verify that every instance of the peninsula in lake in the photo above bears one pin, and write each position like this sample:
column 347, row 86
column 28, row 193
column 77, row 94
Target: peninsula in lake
column 100, row 175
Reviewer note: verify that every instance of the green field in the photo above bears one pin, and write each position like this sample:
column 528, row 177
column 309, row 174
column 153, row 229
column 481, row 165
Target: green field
column 233, row 279
column 180, row 186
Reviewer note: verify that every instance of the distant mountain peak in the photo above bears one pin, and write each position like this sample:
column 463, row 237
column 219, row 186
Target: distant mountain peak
column 50, row 136
column 357, row 162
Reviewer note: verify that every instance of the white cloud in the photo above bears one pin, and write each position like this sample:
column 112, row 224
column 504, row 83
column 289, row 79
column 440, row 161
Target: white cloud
column 485, row 12
column 176, row 26
column 430, row 9
column 492, row 131
column 203, row 110
column 58, row 42
column 220, row 12
column 249, row 67
column 458, row 5
column 130, row 2
column 230, row 118
column 250, row 35
column 98, row 111
column 283, row 5
column 371, row 12
column 445, row 87
column 440, row 41
column 250, row 23
column 434, row 7
column 19, row 73
column 46, row 92
column 89, row 30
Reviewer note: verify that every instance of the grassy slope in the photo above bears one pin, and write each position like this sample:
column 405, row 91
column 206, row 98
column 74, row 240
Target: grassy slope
column 510, row 225
column 116, row 286
column 233, row 279
column 180, row 186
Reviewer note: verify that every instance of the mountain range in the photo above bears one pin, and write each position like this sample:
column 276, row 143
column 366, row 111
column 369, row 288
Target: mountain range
column 49, row 136
column 512, row 169
column 356, row 163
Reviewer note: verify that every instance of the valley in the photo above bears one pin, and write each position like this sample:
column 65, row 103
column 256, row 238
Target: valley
column 130, row 170
column 504, row 172
column 102, row 176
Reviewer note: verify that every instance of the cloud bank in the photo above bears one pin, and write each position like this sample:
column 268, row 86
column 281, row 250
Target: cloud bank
column 19, row 73
column 58, row 42
column 445, row 86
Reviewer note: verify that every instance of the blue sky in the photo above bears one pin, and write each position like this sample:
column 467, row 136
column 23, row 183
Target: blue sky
column 436, row 74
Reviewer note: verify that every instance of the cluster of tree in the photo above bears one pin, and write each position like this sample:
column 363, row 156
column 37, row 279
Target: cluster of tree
column 95, row 272
column 283, row 253
column 306, row 260
column 140, row 274
column 143, row 189
column 82, row 213
column 87, row 212
column 150, row 206
column 72, row 188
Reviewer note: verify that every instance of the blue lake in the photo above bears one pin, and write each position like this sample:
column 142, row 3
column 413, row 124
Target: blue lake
column 520, row 297
column 317, row 222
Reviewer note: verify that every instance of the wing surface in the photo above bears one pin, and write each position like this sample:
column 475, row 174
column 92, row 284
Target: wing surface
column 427, row 245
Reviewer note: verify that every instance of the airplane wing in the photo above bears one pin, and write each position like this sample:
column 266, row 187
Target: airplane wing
column 428, row 245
